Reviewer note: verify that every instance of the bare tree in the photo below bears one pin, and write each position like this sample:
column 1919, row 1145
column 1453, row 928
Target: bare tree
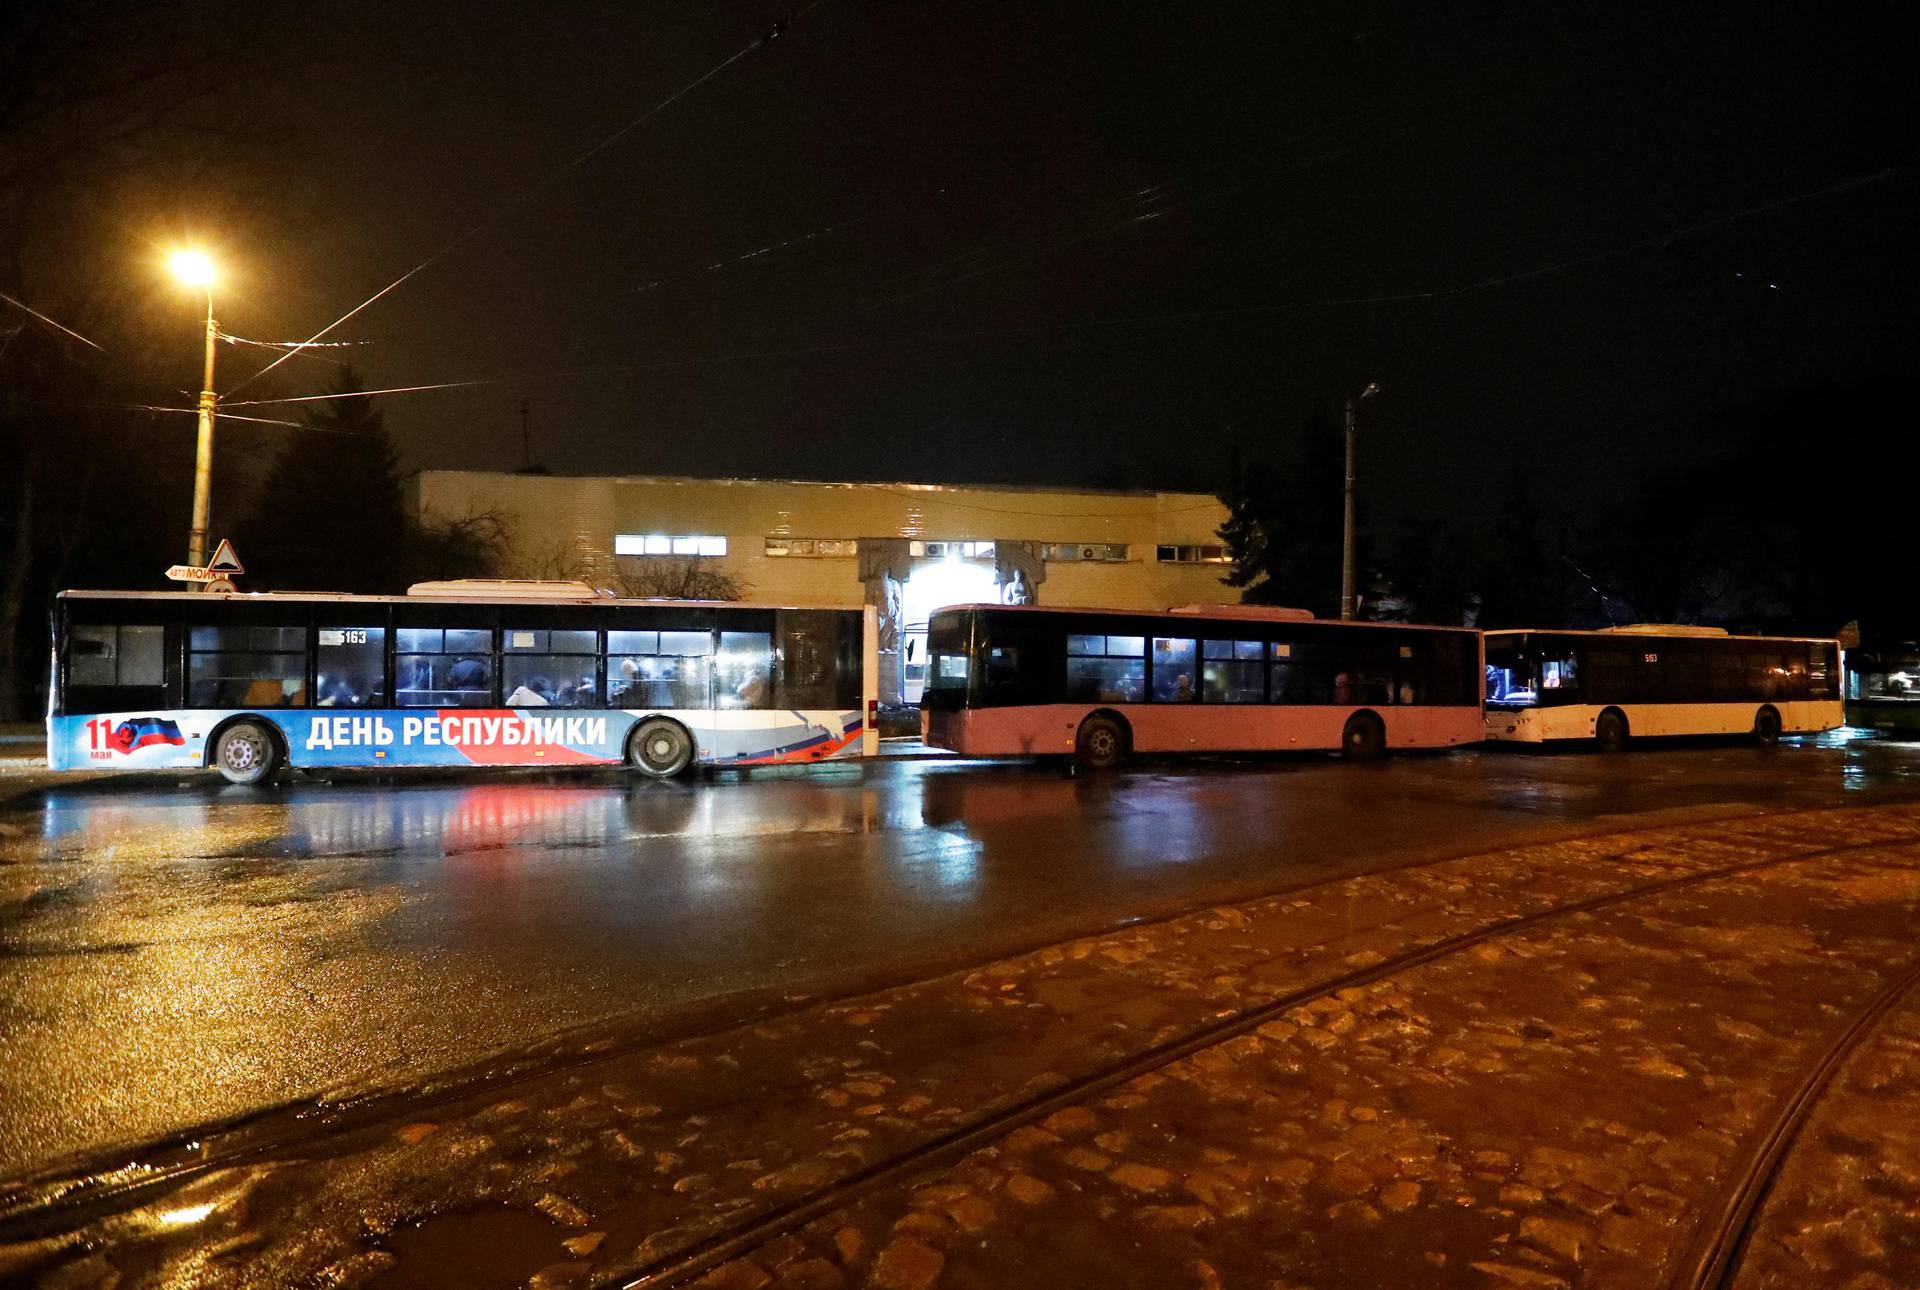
column 683, row 579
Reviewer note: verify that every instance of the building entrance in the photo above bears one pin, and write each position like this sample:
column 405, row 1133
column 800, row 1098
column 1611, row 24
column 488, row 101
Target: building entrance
column 951, row 579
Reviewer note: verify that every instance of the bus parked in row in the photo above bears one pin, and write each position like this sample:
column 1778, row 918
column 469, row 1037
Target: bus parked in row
column 1883, row 690
column 1625, row 682
column 453, row 674
column 1100, row 685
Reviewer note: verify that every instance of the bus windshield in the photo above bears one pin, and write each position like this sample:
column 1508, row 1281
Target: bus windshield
column 1523, row 672
column 949, row 660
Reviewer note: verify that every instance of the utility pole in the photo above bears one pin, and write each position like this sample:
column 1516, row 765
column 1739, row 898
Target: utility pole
column 203, row 451
column 1346, row 539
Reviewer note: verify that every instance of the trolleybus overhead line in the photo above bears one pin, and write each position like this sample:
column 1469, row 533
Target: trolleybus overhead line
column 541, row 185
column 1067, row 325
column 51, row 1206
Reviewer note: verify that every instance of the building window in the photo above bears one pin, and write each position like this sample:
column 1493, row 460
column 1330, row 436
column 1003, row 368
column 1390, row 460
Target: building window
column 1099, row 551
column 814, row 547
column 1192, row 555
column 954, row 550
column 669, row 544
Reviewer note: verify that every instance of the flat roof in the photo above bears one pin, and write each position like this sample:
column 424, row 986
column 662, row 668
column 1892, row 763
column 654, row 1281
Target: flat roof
column 837, row 483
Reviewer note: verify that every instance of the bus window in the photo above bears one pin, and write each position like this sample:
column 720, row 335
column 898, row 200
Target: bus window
column 436, row 668
column 1559, row 679
column 661, row 669
column 246, row 667
column 1367, row 676
column 1106, row 669
column 1820, row 671
column 683, row 675
column 819, row 654
column 111, row 668
column 350, row 667
column 1300, row 672
column 550, row 669
column 1174, row 666
column 1231, row 672
column 743, row 676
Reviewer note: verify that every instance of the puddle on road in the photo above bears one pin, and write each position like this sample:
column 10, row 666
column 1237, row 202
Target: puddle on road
column 476, row 1249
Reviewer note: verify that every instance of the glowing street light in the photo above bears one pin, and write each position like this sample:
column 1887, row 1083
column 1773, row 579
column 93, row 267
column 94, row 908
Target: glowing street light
column 194, row 269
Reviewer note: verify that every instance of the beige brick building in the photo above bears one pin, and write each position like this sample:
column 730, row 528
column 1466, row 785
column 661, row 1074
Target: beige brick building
column 906, row 547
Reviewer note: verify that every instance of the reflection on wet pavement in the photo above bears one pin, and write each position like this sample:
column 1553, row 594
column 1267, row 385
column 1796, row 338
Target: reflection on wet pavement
column 173, row 952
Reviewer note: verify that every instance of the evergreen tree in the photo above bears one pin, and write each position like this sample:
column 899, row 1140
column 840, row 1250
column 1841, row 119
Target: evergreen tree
column 331, row 513
column 1283, row 531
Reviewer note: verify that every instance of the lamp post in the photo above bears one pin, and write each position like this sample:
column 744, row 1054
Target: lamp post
column 195, row 270
column 1346, row 540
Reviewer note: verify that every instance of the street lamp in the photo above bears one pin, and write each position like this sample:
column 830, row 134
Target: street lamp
column 194, row 269
column 1346, row 540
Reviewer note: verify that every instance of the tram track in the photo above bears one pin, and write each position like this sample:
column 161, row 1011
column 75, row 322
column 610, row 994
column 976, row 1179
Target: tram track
column 780, row 1220
column 136, row 1180
column 51, row 1201
column 1719, row 1250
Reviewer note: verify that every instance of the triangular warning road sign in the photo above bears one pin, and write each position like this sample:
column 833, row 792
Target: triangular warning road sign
column 225, row 561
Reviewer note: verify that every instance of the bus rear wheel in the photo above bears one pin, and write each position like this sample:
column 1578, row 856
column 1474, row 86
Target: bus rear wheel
column 246, row 753
column 1364, row 738
column 1101, row 743
column 1610, row 731
column 660, row 748
column 1766, row 727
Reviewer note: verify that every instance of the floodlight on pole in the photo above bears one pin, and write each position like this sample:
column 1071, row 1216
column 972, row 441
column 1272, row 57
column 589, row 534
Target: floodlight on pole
column 196, row 269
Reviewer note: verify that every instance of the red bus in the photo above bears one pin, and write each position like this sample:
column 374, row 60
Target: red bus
column 1101, row 684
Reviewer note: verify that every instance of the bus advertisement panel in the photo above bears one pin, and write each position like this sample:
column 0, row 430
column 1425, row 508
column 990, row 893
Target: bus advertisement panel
column 471, row 737
column 246, row 684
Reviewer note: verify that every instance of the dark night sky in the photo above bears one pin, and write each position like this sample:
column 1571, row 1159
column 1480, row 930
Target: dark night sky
column 1115, row 209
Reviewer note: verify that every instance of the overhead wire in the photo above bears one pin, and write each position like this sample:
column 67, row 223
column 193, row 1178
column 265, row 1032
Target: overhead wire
column 26, row 308
column 1435, row 293
column 529, row 193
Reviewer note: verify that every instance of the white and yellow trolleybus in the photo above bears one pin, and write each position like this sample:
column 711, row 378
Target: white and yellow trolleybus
column 1621, row 683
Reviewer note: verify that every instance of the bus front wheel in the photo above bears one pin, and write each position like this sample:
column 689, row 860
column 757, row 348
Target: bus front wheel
column 246, row 753
column 1364, row 738
column 1101, row 743
column 1610, row 731
column 660, row 748
column 1766, row 727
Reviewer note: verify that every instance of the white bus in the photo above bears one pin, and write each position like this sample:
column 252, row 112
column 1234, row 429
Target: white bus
column 1647, row 680
column 453, row 674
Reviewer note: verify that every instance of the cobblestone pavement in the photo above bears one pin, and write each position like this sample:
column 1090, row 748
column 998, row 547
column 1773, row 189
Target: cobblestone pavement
column 1536, row 1099
column 1846, row 1207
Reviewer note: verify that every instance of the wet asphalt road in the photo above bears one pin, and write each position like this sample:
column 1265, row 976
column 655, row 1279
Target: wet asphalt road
column 174, row 952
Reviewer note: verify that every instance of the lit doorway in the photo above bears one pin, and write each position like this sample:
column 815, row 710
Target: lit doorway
column 950, row 579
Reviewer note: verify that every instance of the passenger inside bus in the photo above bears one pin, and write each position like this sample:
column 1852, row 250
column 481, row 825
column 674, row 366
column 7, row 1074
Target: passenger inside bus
column 532, row 694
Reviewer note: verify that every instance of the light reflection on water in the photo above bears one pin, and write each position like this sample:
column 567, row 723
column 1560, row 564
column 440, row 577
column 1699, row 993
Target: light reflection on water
column 321, row 820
